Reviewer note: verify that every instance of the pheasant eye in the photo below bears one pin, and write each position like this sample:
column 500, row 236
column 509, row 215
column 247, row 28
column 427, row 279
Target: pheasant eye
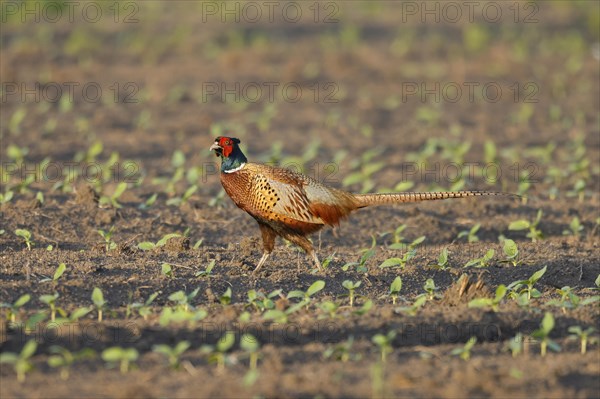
column 227, row 142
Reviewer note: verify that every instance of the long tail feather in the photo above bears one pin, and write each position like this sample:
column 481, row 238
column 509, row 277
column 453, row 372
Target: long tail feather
column 392, row 198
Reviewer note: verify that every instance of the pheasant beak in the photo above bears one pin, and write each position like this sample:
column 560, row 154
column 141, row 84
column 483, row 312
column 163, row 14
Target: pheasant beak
column 217, row 149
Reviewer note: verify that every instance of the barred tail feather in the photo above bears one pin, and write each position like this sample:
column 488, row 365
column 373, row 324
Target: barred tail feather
column 364, row 200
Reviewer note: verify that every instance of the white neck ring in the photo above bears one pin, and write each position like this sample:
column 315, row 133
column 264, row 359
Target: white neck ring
column 235, row 169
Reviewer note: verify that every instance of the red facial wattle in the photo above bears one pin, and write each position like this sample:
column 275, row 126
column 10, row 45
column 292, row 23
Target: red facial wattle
column 227, row 150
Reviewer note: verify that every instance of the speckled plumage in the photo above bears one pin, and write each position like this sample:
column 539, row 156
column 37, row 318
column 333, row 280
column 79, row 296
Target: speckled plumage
column 282, row 197
column 292, row 205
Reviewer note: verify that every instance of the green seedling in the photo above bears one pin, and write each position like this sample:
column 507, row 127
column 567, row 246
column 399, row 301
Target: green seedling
column 39, row 197
column 402, row 186
column 378, row 386
column 364, row 309
column 568, row 299
column 50, row 300
column 26, row 236
column 6, row 197
column 327, row 261
column 342, row 351
column 99, row 302
column 17, row 153
column 250, row 345
column 511, row 252
column 398, row 237
column 577, row 333
column 421, row 157
column 225, row 298
column 206, row 272
column 114, row 198
column 149, row 202
column 365, row 169
column 173, row 354
column 176, row 201
column 23, row 185
column 399, row 262
column 244, row 317
column 147, row 245
column 523, row 290
column 124, row 357
column 454, row 149
column 465, row 351
column 384, row 343
column 407, row 247
column 431, row 289
column 395, row 288
column 412, row 310
column 428, row 115
column 197, row 244
column 180, row 315
column 21, row 361
column 178, row 163
column 75, row 315
column 543, row 334
column 109, row 244
column 217, row 200
column 367, row 253
column 575, row 228
column 305, row 295
column 515, row 345
column 63, row 358
column 492, row 303
column 490, row 152
column 260, row 302
column 278, row 316
column 110, row 170
column 471, row 234
column 13, row 308
column 182, row 299
column 484, row 261
column 14, row 124
column 442, row 263
column 330, row 308
column 351, row 287
column 578, row 189
column 143, row 309
column 167, row 270
column 218, row 353
column 60, row 270
column 91, row 154
column 522, row 224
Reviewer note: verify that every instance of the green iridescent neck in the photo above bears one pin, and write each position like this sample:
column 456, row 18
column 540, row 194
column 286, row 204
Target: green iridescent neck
column 234, row 161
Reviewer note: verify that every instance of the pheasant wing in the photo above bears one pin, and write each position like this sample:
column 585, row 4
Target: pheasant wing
column 287, row 195
column 284, row 200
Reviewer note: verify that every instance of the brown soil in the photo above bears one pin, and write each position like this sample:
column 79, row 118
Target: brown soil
column 170, row 55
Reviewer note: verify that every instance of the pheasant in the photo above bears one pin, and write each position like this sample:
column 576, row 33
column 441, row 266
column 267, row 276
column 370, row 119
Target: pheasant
column 292, row 205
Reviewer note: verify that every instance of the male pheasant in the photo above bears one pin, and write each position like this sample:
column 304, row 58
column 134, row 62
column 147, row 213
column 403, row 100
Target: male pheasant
column 292, row 205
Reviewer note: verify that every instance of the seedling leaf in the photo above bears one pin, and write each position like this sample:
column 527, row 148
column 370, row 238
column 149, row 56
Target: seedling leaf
column 59, row 271
column 226, row 341
column 315, row 287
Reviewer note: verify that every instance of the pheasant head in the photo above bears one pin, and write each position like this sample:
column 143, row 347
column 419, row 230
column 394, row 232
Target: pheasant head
column 232, row 157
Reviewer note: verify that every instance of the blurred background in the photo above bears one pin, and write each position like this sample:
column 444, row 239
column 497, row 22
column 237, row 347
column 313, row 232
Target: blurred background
column 107, row 113
column 364, row 95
